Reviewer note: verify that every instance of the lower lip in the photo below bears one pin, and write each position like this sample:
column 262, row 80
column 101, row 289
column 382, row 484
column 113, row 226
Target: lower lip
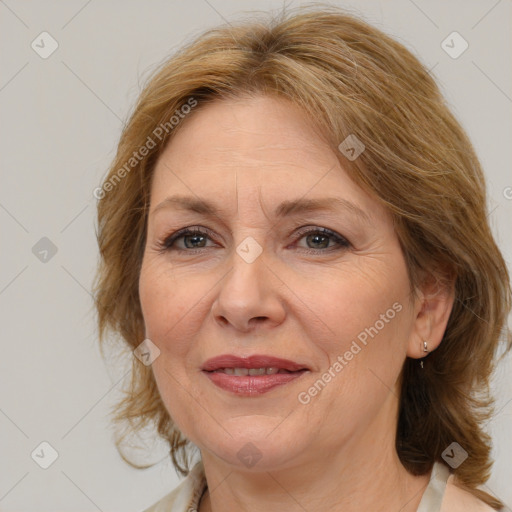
column 251, row 384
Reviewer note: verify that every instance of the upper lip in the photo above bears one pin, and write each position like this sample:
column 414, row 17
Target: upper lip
column 254, row 361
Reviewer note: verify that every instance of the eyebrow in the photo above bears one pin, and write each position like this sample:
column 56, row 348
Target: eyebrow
column 285, row 209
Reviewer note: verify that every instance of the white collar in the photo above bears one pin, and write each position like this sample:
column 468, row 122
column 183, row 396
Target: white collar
column 434, row 493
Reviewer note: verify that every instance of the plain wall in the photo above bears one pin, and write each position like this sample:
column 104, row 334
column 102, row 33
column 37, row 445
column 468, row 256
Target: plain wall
column 61, row 118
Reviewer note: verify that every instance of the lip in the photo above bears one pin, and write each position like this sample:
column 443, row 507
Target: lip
column 251, row 385
column 254, row 361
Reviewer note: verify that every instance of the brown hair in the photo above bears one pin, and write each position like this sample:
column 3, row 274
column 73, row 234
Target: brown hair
column 351, row 79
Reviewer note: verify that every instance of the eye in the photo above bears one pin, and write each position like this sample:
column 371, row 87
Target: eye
column 195, row 239
column 320, row 238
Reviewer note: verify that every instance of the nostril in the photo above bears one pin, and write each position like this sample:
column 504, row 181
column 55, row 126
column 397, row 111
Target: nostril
column 258, row 319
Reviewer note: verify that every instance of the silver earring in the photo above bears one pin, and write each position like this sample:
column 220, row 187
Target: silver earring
column 425, row 349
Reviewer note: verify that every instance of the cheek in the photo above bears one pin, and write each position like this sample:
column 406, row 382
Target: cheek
column 369, row 311
column 175, row 306
column 170, row 321
column 163, row 301
column 363, row 362
column 363, row 297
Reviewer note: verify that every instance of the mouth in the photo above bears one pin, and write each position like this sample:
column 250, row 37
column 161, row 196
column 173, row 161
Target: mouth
column 256, row 362
column 252, row 375
column 243, row 372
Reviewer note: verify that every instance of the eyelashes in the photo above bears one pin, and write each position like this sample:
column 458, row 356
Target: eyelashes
column 167, row 244
column 199, row 234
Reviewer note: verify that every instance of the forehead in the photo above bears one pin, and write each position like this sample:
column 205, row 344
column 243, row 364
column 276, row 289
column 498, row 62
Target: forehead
column 259, row 128
column 244, row 145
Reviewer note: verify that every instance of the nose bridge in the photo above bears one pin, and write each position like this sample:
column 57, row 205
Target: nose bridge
column 242, row 287
column 246, row 291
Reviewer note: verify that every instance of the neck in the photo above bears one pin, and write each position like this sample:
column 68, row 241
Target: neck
column 382, row 492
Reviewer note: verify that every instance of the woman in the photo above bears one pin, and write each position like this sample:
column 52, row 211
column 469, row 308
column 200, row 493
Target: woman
column 295, row 245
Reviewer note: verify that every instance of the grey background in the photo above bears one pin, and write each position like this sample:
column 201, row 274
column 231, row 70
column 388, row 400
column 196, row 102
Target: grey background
column 61, row 119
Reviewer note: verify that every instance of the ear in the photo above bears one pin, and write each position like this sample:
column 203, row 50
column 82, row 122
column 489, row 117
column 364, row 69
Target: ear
column 433, row 305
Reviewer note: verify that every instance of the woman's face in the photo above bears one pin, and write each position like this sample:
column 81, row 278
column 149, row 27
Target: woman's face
column 261, row 278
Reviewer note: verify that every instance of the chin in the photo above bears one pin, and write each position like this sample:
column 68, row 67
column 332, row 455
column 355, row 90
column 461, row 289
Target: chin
column 255, row 451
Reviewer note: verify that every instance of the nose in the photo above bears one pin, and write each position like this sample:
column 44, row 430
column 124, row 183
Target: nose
column 249, row 296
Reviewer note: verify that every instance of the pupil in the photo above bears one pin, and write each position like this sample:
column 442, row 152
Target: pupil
column 316, row 237
column 194, row 239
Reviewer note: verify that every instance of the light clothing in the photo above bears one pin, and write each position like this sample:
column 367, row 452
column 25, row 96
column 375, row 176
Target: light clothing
column 441, row 495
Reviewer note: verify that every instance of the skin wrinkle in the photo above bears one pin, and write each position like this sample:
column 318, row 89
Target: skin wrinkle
column 418, row 163
column 304, row 307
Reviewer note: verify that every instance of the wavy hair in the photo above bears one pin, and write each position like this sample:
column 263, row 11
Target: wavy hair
column 351, row 79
